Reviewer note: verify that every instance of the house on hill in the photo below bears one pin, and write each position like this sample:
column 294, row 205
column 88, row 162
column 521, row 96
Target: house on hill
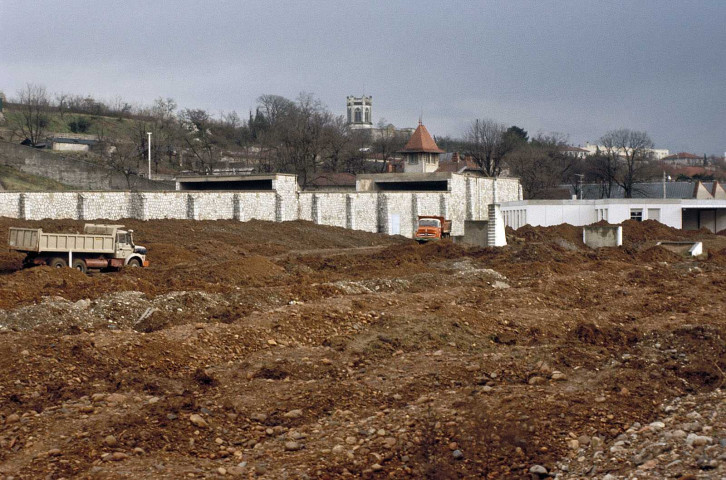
column 683, row 158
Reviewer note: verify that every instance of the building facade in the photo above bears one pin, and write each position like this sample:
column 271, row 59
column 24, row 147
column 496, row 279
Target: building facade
column 360, row 112
column 421, row 154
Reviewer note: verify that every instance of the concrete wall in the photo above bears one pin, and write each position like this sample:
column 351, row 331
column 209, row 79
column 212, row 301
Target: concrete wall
column 475, row 232
column 602, row 236
column 687, row 214
column 386, row 212
column 72, row 171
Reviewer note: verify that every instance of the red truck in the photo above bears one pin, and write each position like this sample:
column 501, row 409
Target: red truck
column 431, row 227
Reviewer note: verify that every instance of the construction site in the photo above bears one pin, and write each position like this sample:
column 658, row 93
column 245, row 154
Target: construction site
column 290, row 350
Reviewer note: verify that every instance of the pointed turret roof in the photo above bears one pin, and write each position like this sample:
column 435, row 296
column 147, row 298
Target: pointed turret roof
column 421, row 142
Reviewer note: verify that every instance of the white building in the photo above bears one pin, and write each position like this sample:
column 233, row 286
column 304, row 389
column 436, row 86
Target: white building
column 686, row 214
column 657, row 153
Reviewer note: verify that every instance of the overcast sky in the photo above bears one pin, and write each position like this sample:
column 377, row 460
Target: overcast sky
column 577, row 67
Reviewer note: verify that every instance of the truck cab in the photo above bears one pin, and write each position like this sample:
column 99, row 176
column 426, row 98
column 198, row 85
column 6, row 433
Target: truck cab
column 432, row 227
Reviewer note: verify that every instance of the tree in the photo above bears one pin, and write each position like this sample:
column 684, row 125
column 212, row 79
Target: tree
column 297, row 137
column 486, row 145
column 32, row 121
column 62, row 102
column 542, row 165
column 630, row 152
column 338, row 140
column 124, row 154
column 199, row 139
column 603, row 169
column 514, row 138
column 165, row 131
column 387, row 142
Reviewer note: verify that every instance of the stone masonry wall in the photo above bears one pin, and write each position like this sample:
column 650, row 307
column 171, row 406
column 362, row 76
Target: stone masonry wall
column 385, row 212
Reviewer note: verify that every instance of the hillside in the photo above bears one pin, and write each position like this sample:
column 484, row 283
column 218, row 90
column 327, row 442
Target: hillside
column 12, row 179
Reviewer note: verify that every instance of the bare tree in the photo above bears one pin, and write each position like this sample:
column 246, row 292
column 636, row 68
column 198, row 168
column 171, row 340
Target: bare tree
column 33, row 120
column 199, row 139
column 62, row 103
column 124, row 154
column 542, row 165
column 337, row 137
column 630, row 151
column 485, row 142
column 603, row 168
column 388, row 142
column 166, row 131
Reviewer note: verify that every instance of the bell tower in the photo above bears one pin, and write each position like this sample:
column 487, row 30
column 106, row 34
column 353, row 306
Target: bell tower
column 360, row 112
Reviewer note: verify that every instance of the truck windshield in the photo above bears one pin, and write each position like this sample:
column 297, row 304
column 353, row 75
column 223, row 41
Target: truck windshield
column 429, row 222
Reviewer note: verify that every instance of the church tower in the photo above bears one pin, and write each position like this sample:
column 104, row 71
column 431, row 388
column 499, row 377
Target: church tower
column 360, row 112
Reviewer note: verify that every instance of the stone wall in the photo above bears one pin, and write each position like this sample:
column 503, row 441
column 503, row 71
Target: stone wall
column 386, row 212
column 73, row 172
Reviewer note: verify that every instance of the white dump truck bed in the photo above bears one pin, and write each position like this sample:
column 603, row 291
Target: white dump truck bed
column 35, row 240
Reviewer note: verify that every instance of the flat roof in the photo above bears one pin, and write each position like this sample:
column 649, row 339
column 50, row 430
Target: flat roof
column 406, row 177
column 229, row 178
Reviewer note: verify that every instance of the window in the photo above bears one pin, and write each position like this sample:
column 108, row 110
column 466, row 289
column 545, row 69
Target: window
column 358, row 118
column 413, row 159
column 429, row 222
column 636, row 214
column 602, row 214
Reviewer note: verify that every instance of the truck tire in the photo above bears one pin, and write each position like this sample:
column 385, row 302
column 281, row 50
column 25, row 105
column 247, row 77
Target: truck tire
column 80, row 265
column 134, row 263
column 57, row 262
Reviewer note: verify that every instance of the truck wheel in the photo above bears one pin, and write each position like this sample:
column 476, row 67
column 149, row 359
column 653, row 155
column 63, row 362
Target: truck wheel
column 57, row 262
column 134, row 263
column 80, row 265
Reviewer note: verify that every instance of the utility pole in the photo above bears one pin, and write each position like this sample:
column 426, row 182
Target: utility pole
column 580, row 177
column 149, row 149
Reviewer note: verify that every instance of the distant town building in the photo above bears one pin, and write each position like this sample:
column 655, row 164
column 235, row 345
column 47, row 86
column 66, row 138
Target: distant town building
column 683, row 158
column 63, row 144
column 576, row 152
column 360, row 112
column 421, row 154
column 657, row 153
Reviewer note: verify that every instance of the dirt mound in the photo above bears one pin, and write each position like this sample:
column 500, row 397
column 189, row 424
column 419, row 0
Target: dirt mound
column 659, row 254
column 254, row 349
column 253, row 270
column 718, row 257
column 635, row 233
column 565, row 235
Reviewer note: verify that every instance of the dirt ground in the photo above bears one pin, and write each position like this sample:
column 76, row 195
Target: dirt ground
column 295, row 351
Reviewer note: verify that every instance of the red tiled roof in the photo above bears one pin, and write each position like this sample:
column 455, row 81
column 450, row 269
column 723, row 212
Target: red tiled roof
column 676, row 156
column 421, row 142
column 458, row 164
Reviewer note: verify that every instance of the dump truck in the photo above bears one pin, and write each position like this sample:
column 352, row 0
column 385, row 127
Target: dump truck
column 104, row 247
column 431, row 227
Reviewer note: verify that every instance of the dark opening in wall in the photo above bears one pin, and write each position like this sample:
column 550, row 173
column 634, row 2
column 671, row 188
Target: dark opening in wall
column 430, row 186
column 228, row 185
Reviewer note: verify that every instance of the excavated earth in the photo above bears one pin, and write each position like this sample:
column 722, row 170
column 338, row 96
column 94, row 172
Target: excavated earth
column 297, row 351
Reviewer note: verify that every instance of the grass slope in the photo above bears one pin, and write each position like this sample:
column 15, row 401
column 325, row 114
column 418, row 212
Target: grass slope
column 12, row 179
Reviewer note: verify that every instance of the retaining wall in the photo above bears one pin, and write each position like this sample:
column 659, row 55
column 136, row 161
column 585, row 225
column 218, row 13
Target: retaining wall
column 74, row 172
column 385, row 212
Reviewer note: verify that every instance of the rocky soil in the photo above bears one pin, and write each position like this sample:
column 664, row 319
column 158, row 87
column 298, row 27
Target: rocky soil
column 294, row 351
